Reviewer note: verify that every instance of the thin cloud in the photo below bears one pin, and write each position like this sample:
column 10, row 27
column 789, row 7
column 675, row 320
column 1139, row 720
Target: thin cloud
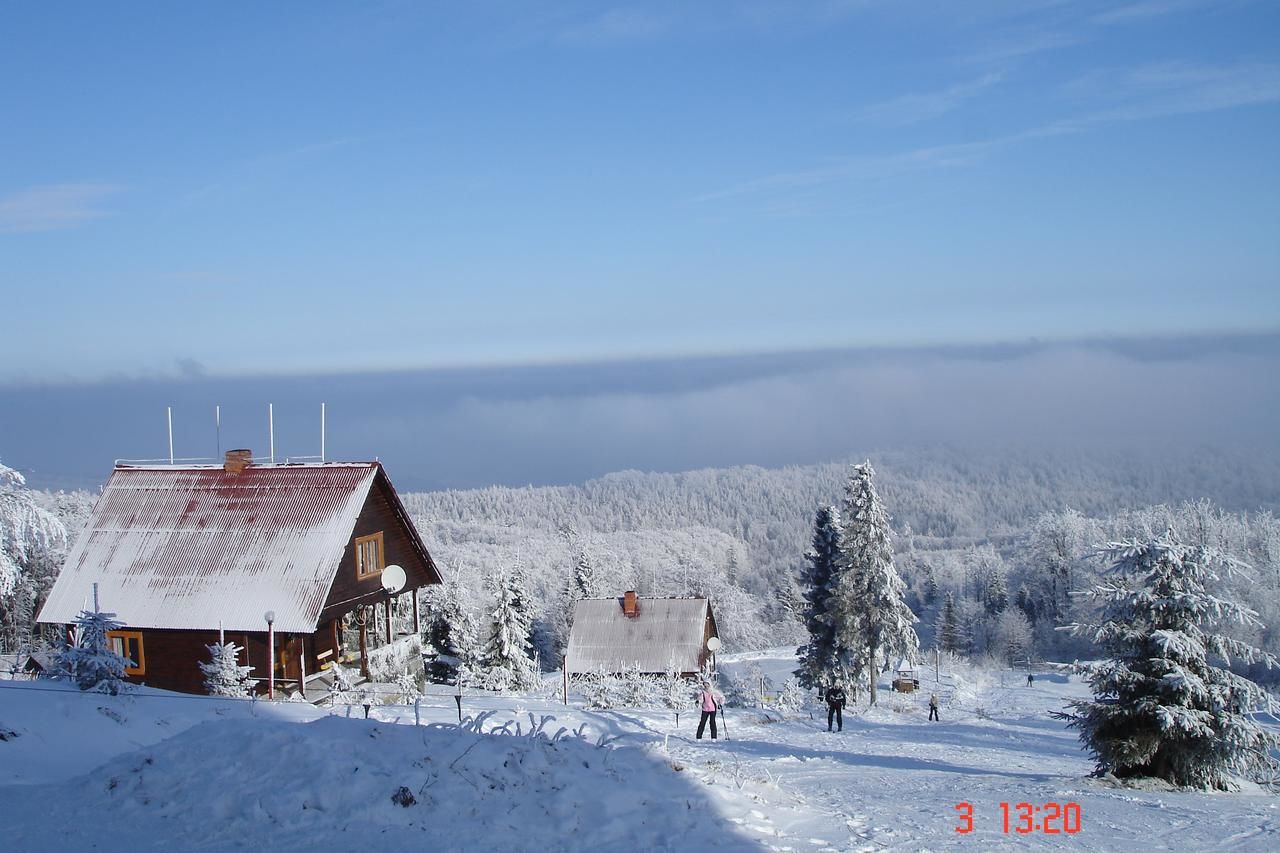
column 915, row 108
column 1138, row 94
column 1013, row 48
column 1144, row 10
column 53, row 207
column 1177, row 88
column 874, row 168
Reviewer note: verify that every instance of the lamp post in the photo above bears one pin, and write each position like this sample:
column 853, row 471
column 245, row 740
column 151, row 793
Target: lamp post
column 270, row 616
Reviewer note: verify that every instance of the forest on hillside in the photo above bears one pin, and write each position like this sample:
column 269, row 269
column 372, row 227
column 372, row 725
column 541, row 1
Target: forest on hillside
column 966, row 522
column 1005, row 535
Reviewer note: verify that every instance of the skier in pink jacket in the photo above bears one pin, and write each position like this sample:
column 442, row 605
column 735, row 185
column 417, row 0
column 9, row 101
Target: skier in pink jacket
column 707, row 701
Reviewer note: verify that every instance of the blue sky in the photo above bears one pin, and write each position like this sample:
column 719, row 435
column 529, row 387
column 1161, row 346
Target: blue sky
column 223, row 189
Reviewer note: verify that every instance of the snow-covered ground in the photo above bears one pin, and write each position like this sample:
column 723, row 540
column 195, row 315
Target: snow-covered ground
column 157, row 771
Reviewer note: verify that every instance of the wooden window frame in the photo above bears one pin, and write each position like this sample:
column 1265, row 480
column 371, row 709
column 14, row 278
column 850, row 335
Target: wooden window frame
column 140, row 667
column 360, row 542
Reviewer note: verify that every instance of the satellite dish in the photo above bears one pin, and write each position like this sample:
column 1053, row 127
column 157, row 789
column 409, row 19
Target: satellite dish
column 713, row 644
column 393, row 578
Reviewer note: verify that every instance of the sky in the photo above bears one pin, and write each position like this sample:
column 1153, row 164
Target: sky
column 211, row 190
column 533, row 243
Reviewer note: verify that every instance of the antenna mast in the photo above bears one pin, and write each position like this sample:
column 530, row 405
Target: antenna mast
column 217, row 428
column 322, row 432
column 169, row 414
column 271, row 430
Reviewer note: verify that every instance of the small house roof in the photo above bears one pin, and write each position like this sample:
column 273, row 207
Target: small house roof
column 667, row 634
column 192, row 547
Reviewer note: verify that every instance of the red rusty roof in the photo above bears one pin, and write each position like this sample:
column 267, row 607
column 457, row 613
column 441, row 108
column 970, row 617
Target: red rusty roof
column 192, row 547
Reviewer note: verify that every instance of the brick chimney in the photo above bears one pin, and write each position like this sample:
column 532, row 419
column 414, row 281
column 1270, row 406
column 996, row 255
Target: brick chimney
column 236, row 461
column 630, row 605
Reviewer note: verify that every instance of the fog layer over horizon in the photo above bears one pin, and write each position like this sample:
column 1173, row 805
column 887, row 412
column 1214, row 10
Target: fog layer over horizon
column 569, row 423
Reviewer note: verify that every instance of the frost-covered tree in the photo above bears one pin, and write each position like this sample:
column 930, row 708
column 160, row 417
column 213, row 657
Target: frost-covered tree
column 867, row 605
column 820, row 658
column 1057, row 542
column 223, row 674
column 995, row 598
column 1014, row 639
column 506, row 660
column 449, row 633
column 949, row 634
column 90, row 661
column 33, row 542
column 1165, row 705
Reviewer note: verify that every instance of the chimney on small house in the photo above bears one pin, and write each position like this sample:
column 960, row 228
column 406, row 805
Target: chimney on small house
column 630, row 605
column 237, row 461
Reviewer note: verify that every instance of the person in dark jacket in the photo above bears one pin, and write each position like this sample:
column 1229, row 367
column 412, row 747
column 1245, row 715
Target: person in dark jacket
column 835, row 705
column 933, row 707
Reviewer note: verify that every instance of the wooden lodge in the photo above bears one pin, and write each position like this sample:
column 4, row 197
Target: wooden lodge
column 184, row 555
column 652, row 635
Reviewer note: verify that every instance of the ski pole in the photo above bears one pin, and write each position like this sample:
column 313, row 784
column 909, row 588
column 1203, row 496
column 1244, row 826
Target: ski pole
column 723, row 724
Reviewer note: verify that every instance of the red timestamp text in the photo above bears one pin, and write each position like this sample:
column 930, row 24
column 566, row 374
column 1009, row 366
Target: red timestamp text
column 1026, row 818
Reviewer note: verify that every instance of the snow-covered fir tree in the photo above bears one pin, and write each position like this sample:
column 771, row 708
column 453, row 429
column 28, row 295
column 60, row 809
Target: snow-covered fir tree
column 867, row 606
column 948, row 634
column 995, row 598
column 819, row 658
column 1165, row 705
column 449, row 632
column 90, row 661
column 506, row 660
column 33, row 542
column 223, row 674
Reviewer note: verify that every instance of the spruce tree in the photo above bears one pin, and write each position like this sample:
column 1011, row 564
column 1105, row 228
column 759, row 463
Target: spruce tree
column 506, row 658
column 819, row 658
column 995, row 598
column 868, row 607
column 949, row 632
column 1165, row 705
column 90, row 661
column 223, row 675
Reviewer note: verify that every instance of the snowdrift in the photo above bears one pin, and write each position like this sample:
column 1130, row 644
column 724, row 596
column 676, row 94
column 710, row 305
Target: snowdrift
column 226, row 784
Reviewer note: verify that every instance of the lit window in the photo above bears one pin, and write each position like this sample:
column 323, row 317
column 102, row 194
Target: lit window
column 128, row 644
column 368, row 556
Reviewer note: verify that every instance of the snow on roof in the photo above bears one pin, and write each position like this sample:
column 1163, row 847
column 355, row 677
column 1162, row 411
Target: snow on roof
column 189, row 547
column 668, row 634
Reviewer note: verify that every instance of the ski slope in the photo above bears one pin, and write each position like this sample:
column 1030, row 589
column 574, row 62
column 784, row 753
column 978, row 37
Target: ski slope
column 157, row 771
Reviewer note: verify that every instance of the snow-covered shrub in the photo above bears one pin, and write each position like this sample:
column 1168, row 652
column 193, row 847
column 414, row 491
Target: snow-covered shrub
column 676, row 692
column 223, row 675
column 343, row 685
column 89, row 661
column 792, row 699
column 410, row 688
column 404, row 656
column 738, row 692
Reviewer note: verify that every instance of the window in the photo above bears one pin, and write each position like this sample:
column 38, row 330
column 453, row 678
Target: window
column 368, row 556
column 128, row 644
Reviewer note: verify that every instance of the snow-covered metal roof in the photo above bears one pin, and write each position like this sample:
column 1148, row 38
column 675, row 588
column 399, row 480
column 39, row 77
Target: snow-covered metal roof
column 667, row 634
column 192, row 547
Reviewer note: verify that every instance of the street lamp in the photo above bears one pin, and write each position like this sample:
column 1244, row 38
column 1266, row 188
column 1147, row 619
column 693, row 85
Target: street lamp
column 270, row 616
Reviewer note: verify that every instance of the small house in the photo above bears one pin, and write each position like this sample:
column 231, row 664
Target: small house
column 653, row 635
column 190, row 555
column 905, row 679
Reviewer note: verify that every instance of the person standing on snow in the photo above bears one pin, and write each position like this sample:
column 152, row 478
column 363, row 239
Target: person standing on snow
column 835, row 706
column 933, row 707
column 1031, row 680
column 707, row 701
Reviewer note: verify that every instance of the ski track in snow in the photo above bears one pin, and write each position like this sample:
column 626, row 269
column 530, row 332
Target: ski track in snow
column 889, row 781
